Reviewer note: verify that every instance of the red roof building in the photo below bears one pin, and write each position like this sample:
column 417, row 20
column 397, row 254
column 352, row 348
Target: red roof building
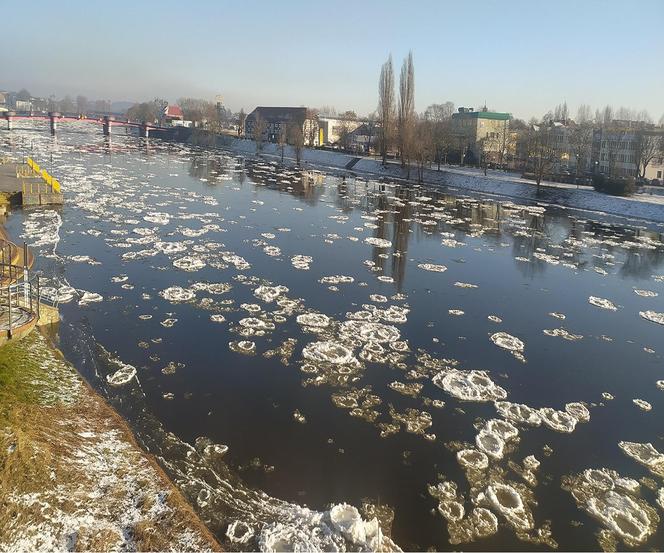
column 173, row 112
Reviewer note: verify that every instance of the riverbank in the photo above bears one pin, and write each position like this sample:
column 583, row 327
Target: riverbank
column 71, row 475
column 650, row 208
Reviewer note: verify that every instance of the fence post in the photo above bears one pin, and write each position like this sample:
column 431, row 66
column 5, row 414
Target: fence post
column 9, row 302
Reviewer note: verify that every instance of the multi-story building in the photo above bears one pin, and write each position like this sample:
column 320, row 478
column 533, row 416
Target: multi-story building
column 615, row 150
column 332, row 129
column 482, row 135
column 277, row 118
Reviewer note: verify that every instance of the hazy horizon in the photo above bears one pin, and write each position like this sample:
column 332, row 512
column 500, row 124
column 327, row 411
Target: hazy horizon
column 520, row 57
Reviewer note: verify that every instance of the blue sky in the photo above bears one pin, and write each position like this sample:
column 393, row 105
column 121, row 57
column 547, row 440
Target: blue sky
column 519, row 56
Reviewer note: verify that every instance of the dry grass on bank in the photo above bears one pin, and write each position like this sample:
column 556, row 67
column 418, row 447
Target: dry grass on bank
column 71, row 475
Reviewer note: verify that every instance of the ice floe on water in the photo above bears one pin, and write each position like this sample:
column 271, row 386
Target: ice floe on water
column 642, row 404
column 601, row 302
column 432, row 267
column 509, row 342
column 177, row 294
column 646, row 454
column 645, row 293
column 89, row 297
column 378, row 242
column 469, row 385
column 653, row 316
column 122, row 376
column 189, row 263
column 624, row 515
column 329, row 352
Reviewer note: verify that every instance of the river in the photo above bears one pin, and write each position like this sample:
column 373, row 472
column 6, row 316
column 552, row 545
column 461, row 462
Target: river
column 282, row 339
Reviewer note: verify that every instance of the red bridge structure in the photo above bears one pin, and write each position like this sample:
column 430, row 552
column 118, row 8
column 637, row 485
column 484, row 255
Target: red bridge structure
column 106, row 121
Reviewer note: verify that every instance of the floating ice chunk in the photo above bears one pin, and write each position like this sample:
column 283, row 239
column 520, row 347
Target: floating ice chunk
column 90, row 297
column 645, row 293
column 642, row 404
column 601, row 302
column 189, row 263
column 494, row 319
column 302, row 262
column 329, row 352
column 660, row 384
column 411, row 389
column 578, row 410
column 507, row 500
column 176, row 294
column 378, row 242
column 269, row 293
column 560, row 421
column 315, row 320
column 490, row 443
column 469, row 385
column 347, row 520
column 168, row 323
column 625, row 516
column 217, row 318
column 299, row 417
column 337, row 279
column 555, row 315
column 506, row 430
column 370, row 332
column 465, row 285
column 170, row 247
column 508, row 342
column 646, row 454
column 660, row 498
column 518, row 412
column 472, row 459
column 239, row 532
column 455, row 312
column 122, row 376
column 653, row 316
column 432, row 267
column 157, row 217
column 243, row 346
column 562, row 333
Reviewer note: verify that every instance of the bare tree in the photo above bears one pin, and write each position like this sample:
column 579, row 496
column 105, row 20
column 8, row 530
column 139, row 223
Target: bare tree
column 584, row 114
column 580, row 140
column 259, row 131
column 386, row 106
column 406, row 119
column 312, row 126
column 296, row 139
column 439, row 112
column 607, row 116
column 283, row 139
column 423, row 146
column 241, row 118
column 647, row 147
column 541, row 152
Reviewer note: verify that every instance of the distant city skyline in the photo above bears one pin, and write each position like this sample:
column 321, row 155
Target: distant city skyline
column 519, row 57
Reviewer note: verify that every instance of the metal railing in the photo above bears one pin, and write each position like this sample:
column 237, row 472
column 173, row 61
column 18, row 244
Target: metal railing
column 19, row 304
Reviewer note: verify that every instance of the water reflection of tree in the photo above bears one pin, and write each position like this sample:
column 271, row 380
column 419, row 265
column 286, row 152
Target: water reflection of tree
column 526, row 246
column 642, row 263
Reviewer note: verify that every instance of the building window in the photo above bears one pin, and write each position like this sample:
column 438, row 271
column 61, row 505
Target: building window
column 659, row 174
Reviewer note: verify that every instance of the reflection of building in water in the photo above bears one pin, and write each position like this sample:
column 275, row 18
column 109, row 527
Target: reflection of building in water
column 305, row 185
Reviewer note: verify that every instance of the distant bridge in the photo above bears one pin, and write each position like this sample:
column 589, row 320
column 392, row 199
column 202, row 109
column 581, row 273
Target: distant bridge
column 106, row 121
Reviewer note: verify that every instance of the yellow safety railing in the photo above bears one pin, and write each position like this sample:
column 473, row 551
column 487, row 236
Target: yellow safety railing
column 43, row 173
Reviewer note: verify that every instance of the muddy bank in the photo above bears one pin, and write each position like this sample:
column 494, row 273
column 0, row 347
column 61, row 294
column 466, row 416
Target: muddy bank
column 71, row 475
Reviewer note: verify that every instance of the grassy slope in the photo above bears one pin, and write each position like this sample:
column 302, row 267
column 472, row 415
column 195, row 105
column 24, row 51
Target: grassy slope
column 71, row 475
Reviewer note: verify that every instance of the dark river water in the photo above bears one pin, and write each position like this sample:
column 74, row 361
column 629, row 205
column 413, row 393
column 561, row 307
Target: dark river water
column 360, row 342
